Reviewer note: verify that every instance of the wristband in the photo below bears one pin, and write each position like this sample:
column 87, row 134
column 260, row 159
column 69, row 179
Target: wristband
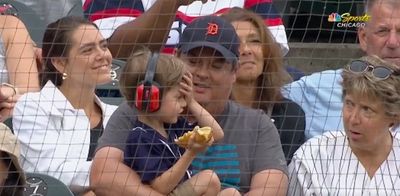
column 11, row 86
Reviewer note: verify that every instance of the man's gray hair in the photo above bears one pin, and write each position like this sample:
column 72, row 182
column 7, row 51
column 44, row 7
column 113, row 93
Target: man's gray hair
column 369, row 4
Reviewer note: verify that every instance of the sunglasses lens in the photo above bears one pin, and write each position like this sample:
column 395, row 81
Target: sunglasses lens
column 358, row 66
column 381, row 72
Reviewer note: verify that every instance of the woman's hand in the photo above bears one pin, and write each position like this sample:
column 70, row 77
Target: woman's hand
column 8, row 98
column 6, row 92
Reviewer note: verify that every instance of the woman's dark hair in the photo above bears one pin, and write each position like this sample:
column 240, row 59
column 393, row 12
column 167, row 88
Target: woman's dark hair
column 57, row 43
column 13, row 186
column 274, row 76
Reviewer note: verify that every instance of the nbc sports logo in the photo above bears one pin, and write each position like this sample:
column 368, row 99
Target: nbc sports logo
column 334, row 17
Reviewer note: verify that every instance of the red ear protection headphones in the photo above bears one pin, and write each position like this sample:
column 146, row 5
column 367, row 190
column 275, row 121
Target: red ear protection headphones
column 148, row 92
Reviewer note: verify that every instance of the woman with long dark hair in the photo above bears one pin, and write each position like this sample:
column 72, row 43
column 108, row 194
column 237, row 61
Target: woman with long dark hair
column 59, row 126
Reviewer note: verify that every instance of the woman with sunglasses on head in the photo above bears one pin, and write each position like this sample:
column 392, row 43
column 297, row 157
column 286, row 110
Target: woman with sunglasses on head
column 261, row 75
column 59, row 126
column 362, row 159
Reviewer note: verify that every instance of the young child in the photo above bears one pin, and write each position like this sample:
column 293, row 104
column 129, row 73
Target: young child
column 158, row 86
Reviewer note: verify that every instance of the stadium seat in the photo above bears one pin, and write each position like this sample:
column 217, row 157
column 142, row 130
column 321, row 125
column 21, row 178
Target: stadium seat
column 42, row 184
column 31, row 19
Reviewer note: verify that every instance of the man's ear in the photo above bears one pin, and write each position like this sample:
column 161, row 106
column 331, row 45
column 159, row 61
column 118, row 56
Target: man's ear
column 235, row 70
column 362, row 37
column 59, row 63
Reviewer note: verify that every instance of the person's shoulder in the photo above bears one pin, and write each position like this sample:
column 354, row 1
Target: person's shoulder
column 9, row 21
column 32, row 102
column 335, row 134
column 287, row 107
column 323, row 76
column 124, row 109
column 10, row 25
column 111, row 108
column 138, row 129
column 240, row 110
column 33, row 97
column 328, row 137
column 108, row 108
column 248, row 116
column 328, row 80
column 396, row 136
column 322, row 144
column 142, row 133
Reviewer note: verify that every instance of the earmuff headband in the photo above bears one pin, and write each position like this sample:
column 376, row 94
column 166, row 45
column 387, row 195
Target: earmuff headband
column 148, row 80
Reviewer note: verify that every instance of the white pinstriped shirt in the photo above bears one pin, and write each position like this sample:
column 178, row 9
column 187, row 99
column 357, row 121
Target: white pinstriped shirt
column 326, row 166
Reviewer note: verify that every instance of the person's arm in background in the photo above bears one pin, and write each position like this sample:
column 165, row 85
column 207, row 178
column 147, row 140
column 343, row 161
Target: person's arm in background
column 269, row 182
column 20, row 56
column 150, row 29
column 109, row 175
column 20, row 64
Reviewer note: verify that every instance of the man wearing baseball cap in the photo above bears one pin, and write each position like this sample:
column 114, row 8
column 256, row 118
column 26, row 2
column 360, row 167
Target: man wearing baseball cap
column 211, row 32
column 249, row 158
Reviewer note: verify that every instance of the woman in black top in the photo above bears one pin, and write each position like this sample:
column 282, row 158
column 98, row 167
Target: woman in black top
column 260, row 77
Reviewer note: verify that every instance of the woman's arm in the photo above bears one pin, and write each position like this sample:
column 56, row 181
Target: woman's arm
column 20, row 56
column 20, row 64
column 151, row 28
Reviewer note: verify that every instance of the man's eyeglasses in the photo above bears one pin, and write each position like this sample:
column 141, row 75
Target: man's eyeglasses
column 379, row 72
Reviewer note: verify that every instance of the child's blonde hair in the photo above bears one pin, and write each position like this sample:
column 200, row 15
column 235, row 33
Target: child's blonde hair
column 169, row 72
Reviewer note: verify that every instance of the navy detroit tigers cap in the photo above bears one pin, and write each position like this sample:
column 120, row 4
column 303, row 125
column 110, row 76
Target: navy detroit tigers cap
column 212, row 32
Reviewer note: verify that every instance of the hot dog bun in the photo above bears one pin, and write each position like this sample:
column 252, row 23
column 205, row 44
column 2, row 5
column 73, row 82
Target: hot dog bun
column 201, row 135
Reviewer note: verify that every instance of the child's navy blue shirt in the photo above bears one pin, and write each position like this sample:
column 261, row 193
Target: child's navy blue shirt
column 150, row 154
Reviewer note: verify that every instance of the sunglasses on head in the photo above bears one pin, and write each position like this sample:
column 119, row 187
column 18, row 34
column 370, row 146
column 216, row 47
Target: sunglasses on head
column 379, row 72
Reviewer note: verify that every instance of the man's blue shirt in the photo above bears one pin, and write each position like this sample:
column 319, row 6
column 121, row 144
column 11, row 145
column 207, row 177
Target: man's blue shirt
column 320, row 96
